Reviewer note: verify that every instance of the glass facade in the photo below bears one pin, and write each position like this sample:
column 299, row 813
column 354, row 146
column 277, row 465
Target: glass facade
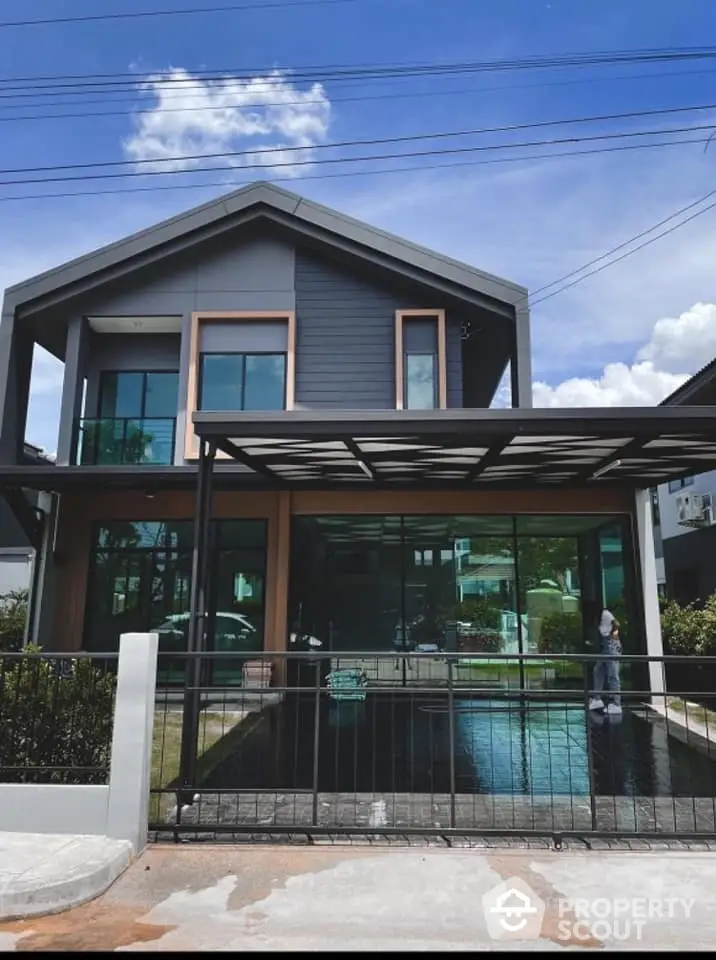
column 140, row 579
column 137, row 416
column 243, row 381
column 484, row 584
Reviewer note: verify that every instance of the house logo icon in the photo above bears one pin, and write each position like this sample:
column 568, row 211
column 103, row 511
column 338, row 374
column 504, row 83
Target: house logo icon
column 513, row 911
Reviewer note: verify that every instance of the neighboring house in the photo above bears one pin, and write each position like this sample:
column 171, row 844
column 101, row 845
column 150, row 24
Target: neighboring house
column 687, row 529
column 16, row 551
column 333, row 383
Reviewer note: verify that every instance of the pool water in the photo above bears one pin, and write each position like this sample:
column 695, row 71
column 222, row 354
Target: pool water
column 401, row 744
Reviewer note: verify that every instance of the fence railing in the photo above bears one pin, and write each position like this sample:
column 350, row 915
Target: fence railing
column 126, row 440
column 56, row 717
column 429, row 743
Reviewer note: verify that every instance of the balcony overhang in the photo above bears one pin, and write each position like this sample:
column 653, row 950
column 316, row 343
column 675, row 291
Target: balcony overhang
column 636, row 447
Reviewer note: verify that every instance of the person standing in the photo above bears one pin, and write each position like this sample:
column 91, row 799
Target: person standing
column 606, row 672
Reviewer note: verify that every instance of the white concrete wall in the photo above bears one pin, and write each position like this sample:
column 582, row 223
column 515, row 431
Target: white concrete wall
column 54, row 808
column 650, row 593
column 119, row 809
column 703, row 483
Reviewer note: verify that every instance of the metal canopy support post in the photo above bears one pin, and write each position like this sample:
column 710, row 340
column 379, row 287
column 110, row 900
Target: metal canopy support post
column 196, row 639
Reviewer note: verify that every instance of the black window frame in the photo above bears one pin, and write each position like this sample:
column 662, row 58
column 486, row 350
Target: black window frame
column 675, row 486
column 243, row 354
column 144, row 374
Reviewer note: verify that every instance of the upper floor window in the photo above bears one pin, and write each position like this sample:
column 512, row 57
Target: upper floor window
column 239, row 361
column 420, row 360
column 676, row 485
column 242, row 381
column 138, row 395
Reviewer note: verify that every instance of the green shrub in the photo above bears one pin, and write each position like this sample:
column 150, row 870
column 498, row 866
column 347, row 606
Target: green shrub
column 13, row 615
column 689, row 630
column 561, row 633
column 55, row 726
column 481, row 641
column 480, row 611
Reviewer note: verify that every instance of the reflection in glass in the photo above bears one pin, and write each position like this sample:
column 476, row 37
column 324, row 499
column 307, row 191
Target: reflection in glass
column 140, row 581
column 238, row 381
column 550, row 594
column 488, row 585
column 265, row 377
column 420, row 381
column 221, row 386
column 122, row 395
column 160, row 395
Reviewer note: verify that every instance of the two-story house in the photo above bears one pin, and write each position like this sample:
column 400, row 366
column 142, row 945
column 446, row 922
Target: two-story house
column 307, row 400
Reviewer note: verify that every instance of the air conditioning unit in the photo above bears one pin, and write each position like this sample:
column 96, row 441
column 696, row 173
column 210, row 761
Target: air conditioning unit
column 694, row 510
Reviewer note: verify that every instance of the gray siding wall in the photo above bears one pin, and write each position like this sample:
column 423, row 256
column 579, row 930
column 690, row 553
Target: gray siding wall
column 247, row 275
column 345, row 351
column 345, row 339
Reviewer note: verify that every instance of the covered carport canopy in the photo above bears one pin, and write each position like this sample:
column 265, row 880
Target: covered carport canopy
column 638, row 447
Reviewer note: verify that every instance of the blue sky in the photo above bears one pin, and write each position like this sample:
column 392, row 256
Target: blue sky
column 628, row 334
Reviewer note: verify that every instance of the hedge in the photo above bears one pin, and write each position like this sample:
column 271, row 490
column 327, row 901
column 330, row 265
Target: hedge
column 55, row 725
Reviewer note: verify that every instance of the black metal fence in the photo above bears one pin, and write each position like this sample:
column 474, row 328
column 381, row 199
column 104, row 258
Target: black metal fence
column 56, row 717
column 428, row 743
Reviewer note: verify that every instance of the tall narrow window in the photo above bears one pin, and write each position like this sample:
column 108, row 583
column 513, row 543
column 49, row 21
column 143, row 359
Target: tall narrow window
column 420, row 360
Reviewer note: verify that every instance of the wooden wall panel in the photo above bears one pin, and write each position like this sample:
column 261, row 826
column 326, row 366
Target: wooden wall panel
column 605, row 500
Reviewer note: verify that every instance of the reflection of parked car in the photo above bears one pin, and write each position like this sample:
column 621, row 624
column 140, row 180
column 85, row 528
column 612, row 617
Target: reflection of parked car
column 233, row 631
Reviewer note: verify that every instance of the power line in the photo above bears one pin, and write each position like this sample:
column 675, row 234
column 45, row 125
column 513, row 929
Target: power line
column 414, row 168
column 626, row 243
column 346, row 160
column 127, row 15
column 379, row 141
column 634, row 250
column 603, row 58
column 139, row 107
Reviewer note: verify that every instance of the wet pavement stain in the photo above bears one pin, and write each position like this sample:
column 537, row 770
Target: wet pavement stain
column 511, row 866
column 95, row 926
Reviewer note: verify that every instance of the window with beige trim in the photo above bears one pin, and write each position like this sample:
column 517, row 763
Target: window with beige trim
column 420, row 360
column 239, row 361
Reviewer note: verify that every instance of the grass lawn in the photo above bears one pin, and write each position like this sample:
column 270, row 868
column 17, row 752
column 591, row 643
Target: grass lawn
column 218, row 735
column 694, row 711
column 532, row 668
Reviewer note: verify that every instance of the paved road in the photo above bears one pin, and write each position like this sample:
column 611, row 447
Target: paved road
column 337, row 898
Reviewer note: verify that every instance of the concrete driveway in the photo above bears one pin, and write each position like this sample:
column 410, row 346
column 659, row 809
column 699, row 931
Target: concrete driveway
column 338, row 898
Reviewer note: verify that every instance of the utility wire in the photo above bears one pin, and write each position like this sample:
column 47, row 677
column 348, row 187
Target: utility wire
column 626, row 243
column 127, row 15
column 379, row 141
column 361, row 159
column 413, row 168
column 140, row 107
column 198, row 79
column 604, row 58
column 629, row 253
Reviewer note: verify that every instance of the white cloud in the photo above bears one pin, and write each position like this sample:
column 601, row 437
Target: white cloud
column 685, row 343
column 620, row 385
column 195, row 117
column 677, row 348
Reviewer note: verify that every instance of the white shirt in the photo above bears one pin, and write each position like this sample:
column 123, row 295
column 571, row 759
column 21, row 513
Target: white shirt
column 606, row 623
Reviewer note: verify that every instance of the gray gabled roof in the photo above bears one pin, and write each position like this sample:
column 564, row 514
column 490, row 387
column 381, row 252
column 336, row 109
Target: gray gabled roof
column 286, row 207
column 703, row 382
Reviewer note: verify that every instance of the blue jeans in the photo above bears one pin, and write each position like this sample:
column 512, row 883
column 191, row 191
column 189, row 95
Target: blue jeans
column 606, row 672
